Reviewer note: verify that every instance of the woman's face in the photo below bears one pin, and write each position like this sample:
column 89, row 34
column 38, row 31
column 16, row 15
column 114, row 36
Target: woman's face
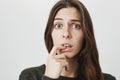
column 67, row 31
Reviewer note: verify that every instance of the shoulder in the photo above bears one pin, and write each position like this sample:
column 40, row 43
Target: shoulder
column 108, row 76
column 33, row 73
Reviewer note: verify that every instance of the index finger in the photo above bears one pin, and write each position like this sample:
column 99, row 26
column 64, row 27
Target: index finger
column 56, row 49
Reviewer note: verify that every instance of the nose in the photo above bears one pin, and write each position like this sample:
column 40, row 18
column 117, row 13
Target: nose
column 66, row 34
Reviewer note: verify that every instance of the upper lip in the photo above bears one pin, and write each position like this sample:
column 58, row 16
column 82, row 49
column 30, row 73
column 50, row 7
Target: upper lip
column 67, row 44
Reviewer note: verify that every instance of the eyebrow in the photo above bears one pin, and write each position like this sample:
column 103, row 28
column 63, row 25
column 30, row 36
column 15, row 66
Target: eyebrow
column 74, row 20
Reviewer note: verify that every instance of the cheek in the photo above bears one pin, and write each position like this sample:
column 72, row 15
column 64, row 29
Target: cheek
column 79, row 41
column 56, row 38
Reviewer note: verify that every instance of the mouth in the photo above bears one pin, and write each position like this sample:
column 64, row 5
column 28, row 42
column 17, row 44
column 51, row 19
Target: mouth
column 68, row 47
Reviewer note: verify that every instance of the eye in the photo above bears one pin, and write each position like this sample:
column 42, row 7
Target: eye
column 58, row 26
column 76, row 26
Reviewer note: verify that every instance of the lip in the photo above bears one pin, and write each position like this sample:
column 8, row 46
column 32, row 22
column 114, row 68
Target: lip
column 68, row 47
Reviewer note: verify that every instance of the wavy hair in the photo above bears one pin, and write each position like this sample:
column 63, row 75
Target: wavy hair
column 88, row 58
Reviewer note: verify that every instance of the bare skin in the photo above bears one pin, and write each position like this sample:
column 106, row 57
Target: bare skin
column 67, row 38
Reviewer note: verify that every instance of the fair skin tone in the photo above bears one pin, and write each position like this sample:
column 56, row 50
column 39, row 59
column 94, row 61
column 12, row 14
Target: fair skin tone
column 67, row 38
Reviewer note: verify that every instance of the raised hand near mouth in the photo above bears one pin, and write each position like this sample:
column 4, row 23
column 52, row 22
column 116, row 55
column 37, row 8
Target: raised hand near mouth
column 55, row 63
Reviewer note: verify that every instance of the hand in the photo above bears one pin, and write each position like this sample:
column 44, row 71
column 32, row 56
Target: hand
column 55, row 63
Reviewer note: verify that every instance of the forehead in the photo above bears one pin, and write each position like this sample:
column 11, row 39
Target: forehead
column 68, row 13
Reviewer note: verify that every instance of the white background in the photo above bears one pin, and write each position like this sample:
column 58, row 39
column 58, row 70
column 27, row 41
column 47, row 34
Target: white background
column 22, row 24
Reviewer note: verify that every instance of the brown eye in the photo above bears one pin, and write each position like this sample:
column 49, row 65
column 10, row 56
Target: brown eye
column 76, row 26
column 58, row 26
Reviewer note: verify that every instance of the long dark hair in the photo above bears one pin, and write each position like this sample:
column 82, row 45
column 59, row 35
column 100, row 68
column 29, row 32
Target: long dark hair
column 88, row 56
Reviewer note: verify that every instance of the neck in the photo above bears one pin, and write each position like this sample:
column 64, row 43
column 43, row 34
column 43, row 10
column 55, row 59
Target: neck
column 71, row 69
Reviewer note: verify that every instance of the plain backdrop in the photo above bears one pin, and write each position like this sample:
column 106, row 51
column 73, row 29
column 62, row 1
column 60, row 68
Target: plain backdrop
column 22, row 25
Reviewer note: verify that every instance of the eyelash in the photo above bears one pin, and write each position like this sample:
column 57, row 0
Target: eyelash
column 78, row 26
column 74, row 26
column 56, row 26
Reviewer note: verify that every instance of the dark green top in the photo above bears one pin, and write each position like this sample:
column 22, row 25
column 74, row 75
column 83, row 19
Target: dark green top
column 37, row 73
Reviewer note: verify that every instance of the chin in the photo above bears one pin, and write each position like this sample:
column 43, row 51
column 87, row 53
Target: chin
column 69, row 54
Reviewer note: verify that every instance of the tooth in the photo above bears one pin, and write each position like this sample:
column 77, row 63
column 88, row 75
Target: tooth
column 66, row 45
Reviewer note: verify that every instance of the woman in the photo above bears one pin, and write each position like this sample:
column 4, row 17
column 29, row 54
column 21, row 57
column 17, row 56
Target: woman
column 70, row 41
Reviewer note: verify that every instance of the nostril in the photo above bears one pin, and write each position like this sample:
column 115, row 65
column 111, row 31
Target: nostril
column 65, row 36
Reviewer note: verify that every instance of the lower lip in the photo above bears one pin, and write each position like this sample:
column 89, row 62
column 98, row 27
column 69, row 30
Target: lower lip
column 66, row 49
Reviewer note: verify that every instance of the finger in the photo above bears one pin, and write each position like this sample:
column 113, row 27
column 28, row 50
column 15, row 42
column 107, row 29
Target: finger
column 61, row 59
column 53, row 51
column 60, row 56
column 64, row 64
column 59, row 49
column 56, row 50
